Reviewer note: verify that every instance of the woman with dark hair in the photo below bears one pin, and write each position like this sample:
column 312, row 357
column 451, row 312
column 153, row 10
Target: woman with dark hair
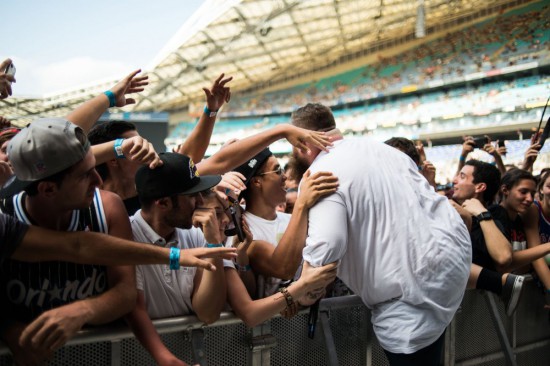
column 537, row 225
column 518, row 189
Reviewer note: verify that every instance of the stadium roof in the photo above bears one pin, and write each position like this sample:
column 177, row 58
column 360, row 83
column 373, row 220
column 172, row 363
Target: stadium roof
column 262, row 42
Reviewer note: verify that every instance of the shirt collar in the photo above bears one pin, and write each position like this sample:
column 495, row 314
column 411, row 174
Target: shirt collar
column 148, row 232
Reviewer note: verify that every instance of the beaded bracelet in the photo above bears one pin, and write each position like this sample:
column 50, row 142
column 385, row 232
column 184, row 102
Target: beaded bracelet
column 288, row 297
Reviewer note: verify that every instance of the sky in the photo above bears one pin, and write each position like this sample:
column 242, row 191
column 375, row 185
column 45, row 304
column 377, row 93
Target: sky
column 59, row 44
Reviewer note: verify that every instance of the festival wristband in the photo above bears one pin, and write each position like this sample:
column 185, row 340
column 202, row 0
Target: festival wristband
column 175, row 258
column 112, row 98
column 118, row 149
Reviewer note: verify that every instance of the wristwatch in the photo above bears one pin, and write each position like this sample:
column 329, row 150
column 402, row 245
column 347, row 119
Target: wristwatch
column 484, row 216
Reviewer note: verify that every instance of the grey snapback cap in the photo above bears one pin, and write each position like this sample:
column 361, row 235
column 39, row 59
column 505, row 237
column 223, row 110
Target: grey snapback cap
column 46, row 147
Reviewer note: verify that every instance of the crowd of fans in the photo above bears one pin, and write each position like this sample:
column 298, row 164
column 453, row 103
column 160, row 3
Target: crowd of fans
column 230, row 230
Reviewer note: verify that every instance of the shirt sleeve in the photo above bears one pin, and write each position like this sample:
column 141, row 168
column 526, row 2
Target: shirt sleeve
column 327, row 232
column 12, row 232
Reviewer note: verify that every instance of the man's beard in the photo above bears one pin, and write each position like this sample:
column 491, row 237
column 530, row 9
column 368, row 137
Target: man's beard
column 298, row 167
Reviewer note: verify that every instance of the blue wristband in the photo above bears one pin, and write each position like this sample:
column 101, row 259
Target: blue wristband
column 112, row 98
column 462, row 158
column 175, row 258
column 209, row 113
column 118, row 149
column 214, row 245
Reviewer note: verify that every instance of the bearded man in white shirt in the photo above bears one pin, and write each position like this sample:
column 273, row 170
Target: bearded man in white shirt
column 401, row 247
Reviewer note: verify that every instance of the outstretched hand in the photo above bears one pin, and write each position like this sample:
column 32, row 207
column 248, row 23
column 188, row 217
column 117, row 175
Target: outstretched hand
column 218, row 94
column 129, row 85
column 194, row 257
column 301, row 138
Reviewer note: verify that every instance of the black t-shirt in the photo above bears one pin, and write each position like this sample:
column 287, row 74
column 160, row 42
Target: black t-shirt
column 480, row 253
column 12, row 232
column 513, row 229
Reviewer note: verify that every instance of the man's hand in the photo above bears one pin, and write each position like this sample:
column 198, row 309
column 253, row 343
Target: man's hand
column 5, row 80
column 53, row 328
column 218, row 94
column 473, row 206
column 315, row 186
column 300, row 137
column 242, row 246
column 420, row 148
column 428, row 171
column 194, row 257
column 206, row 220
column 468, row 146
column 129, row 85
column 140, row 150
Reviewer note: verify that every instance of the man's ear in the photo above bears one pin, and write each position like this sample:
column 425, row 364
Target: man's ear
column 47, row 189
column 505, row 191
column 164, row 203
column 480, row 187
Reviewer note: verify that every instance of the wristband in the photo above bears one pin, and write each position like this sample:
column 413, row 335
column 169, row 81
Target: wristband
column 214, row 245
column 462, row 158
column 210, row 113
column 175, row 258
column 118, row 149
column 547, row 291
column 243, row 268
column 112, row 98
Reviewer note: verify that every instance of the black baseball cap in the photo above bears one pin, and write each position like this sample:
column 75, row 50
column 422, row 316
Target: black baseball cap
column 251, row 167
column 178, row 175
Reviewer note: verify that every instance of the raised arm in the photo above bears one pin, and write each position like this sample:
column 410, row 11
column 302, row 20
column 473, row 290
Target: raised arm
column 197, row 142
column 87, row 114
column 241, row 151
column 467, row 147
column 135, row 148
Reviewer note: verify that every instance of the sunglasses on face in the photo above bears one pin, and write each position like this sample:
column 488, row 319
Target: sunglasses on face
column 278, row 171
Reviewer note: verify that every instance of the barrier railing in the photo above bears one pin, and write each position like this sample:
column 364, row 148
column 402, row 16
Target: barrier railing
column 480, row 334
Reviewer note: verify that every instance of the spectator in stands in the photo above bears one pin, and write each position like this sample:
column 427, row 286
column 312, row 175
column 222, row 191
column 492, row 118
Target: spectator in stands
column 5, row 80
column 171, row 205
column 238, row 273
column 265, row 190
column 389, row 260
column 54, row 166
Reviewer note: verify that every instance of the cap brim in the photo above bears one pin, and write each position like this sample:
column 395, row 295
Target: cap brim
column 13, row 186
column 206, row 182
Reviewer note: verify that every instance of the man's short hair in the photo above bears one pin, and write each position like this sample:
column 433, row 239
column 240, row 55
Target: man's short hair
column 313, row 116
column 406, row 146
column 105, row 132
column 488, row 174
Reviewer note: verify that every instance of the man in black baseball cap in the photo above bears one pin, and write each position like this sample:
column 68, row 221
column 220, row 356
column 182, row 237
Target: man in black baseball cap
column 173, row 215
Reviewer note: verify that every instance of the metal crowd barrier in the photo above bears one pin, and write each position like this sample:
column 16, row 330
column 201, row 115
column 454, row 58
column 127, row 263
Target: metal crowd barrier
column 480, row 334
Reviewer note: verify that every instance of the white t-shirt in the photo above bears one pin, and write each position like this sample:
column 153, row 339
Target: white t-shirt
column 271, row 231
column 402, row 247
column 167, row 292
